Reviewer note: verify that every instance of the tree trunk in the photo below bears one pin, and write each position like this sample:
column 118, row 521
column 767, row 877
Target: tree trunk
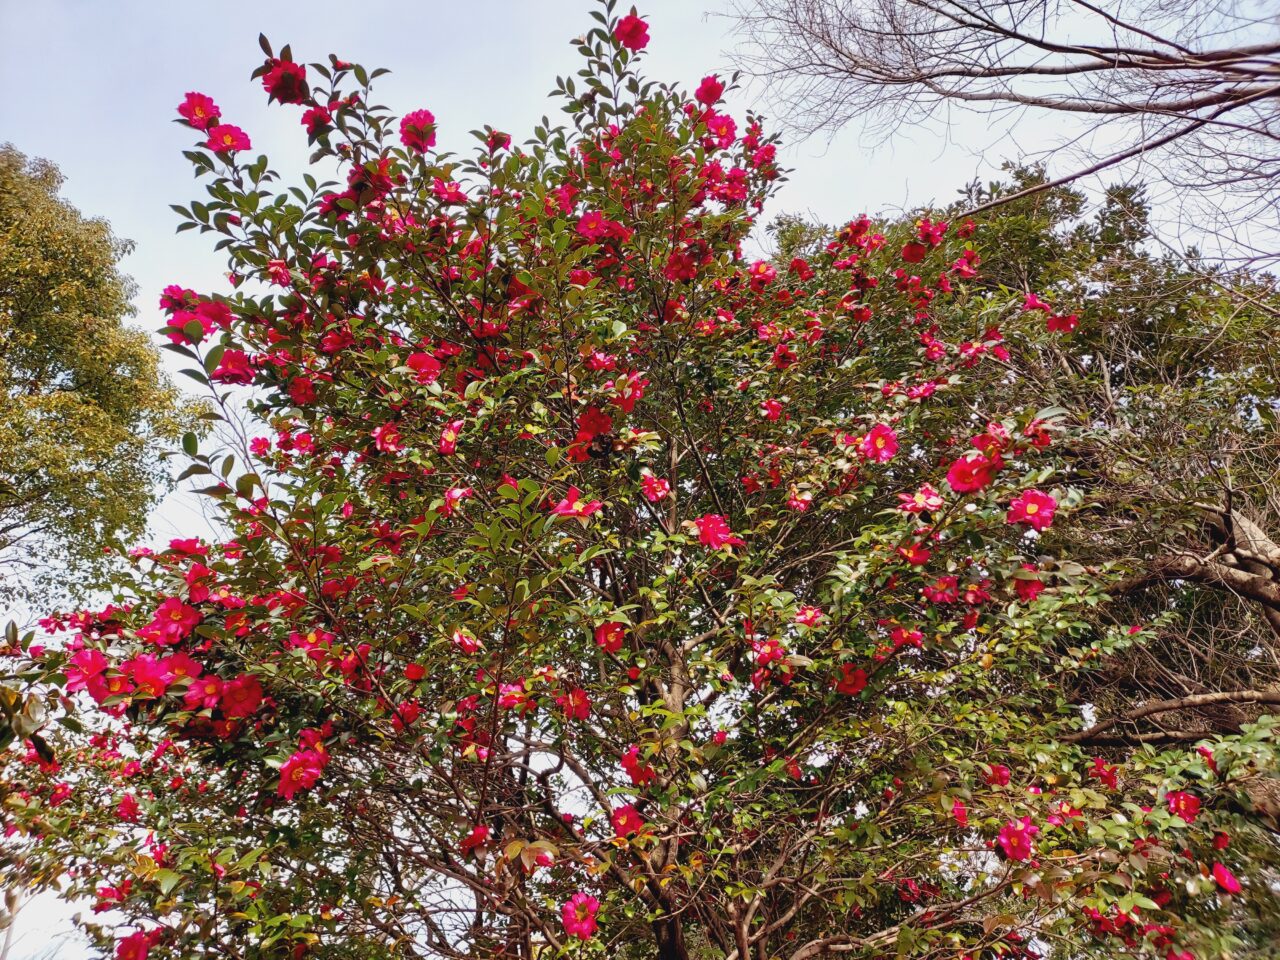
column 669, row 935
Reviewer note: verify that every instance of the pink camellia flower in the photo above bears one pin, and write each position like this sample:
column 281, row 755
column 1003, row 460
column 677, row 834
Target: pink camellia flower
column 880, row 444
column 204, row 693
column 926, row 499
column 464, row 641
column 655, row 488
column 1183, row 805
column 199, row 111
column 1034, row 508
column 626, row 820
column 234, row 367
column 226, row 138
column 128, row 809
column 771, row 409
column 960, row 812
column 86, row 665
column 449, row 437
column 1015, row 838
column 973, row 471
column 1062, row 324
column 418, row 130
column 286, row 82
column 179, row 666
column 173, row 620
column 1225, row 878
column 301, row 771
column 573, row 506
column 709, row 91
column 149, row 675
column 632, row 32
column 387, row 438
column 579, row 916
column 809, row 616
column 714, row 532
column 1033, row 302
column 453, row 498
column 610, row 635
column 799, row 501
column 761, row 273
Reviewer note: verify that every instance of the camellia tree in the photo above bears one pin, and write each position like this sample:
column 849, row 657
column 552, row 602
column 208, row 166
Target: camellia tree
column 590, row 587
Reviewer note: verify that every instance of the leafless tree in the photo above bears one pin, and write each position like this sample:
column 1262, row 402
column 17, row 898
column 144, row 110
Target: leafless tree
column 1192, row 86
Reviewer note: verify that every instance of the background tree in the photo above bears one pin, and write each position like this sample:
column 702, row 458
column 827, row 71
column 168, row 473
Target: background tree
column 591, row 589
column 1194, row 87
column 85, row 410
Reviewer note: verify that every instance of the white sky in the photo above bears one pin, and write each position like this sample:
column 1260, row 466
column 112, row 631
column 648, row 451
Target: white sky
column 93, row 86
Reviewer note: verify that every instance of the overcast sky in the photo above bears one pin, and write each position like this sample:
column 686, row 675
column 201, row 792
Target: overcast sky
column 92, row 85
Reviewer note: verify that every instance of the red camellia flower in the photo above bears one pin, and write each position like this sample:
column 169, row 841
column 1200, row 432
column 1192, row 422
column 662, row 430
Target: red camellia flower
column 418, row 130
column 1105, row 773
column 136, row 946
column 973, row 471
column 226, row 138
column 853, row 680
column 1028, row 588
column 960, row 812
column 998, row 775
column 632, row 32
column 425, row 367
column 233, row 368
column 1062, row 324
column 575, row 704
column 1183, row 805
column 709, row 91
column 241, row 696
column 286, row 82
column 626, row 820
column 1033, row 508
column 199, row 111
column 579, row 916
column 914, row 252
column 639, row 773
column 477, row 838
column 316, row 120
column 610, row 635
